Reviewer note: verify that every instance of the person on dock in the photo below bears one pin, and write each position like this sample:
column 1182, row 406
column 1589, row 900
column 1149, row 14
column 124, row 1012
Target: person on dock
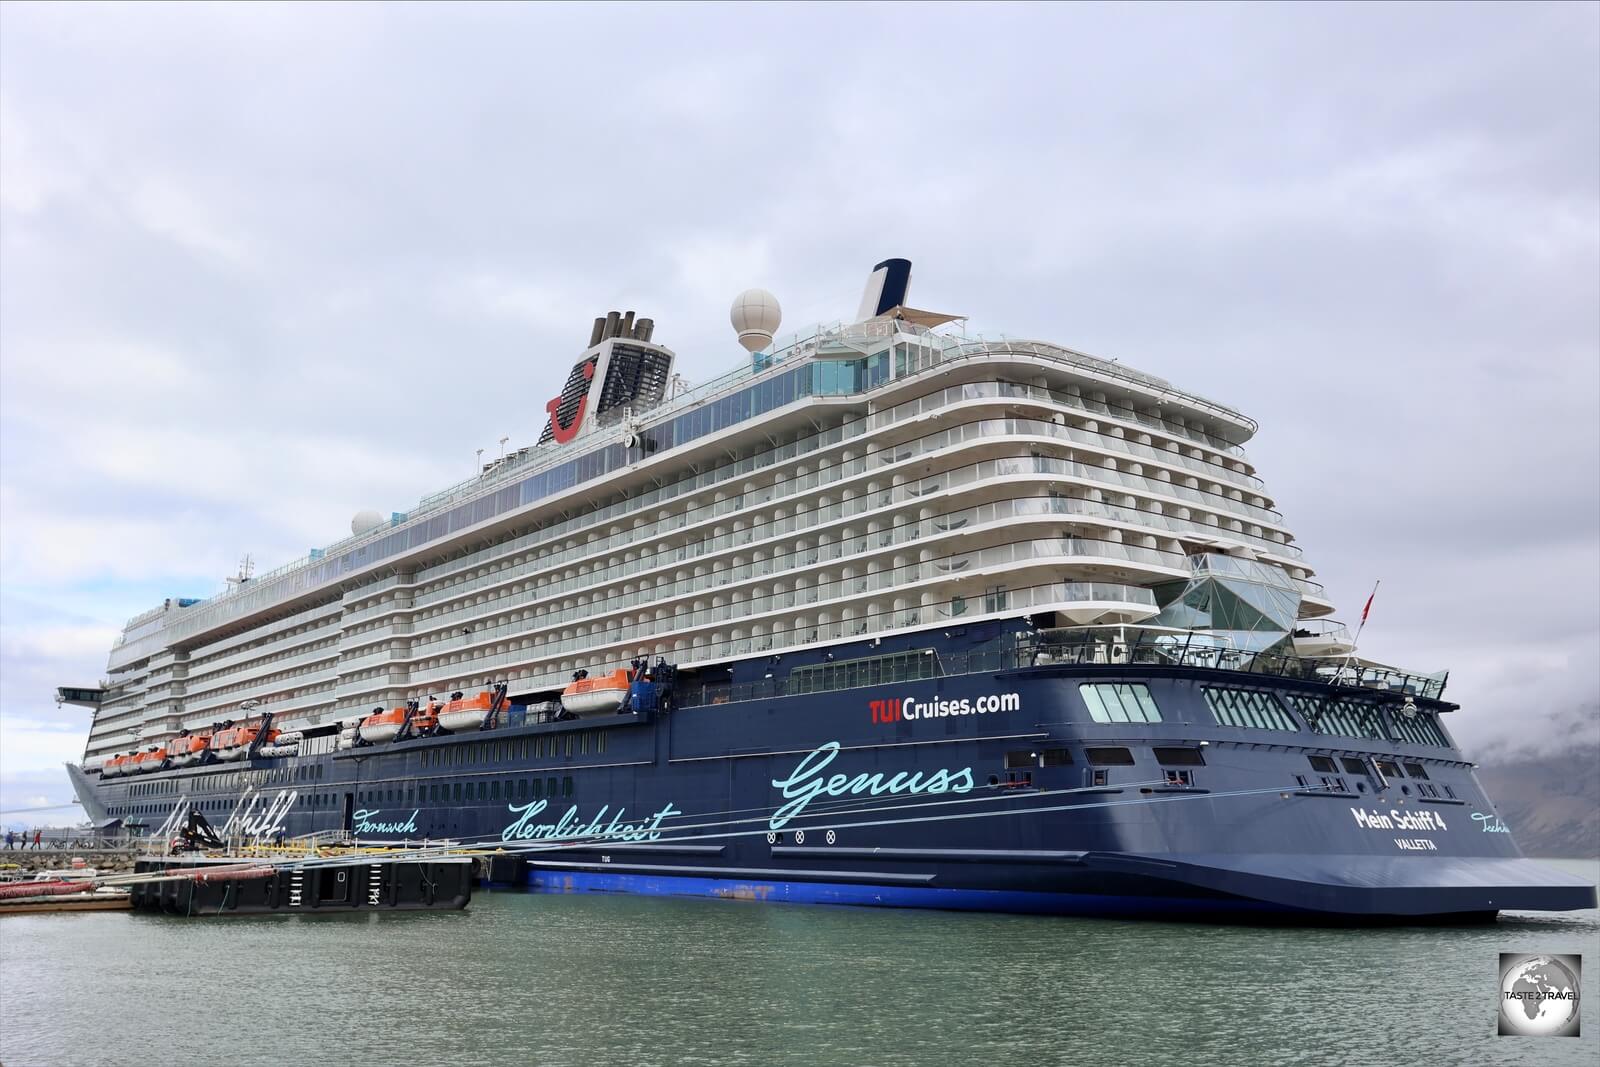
column 36, row 835
column 11, row 839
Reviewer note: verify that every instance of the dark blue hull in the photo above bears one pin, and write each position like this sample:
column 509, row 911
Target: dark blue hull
column 992, row 789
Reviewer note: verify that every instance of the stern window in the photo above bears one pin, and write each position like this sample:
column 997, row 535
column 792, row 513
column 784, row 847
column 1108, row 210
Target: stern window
column 1119, row 702
column 1248, row 708
column 1345, row 718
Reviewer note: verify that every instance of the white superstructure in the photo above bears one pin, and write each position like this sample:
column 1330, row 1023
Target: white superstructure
column 869, row 478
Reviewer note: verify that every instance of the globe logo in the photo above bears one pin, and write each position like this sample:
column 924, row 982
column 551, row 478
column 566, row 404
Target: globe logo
column 1539, row 995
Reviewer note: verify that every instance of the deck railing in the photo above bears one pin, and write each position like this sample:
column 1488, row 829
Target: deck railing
column 1148, row 646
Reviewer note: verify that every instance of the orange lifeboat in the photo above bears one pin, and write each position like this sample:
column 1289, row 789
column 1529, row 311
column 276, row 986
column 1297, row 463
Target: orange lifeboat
column 465, row 713
column 596, row 696
column 382, row 725
column 234, row 742
column 150, row 759
column 116, row 765
column 187, row 749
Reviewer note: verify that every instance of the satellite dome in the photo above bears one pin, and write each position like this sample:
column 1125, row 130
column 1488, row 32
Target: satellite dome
column 755, row 315
column 365, row 522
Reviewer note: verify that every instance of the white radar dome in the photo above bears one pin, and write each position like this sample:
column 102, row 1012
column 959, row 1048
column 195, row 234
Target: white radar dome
column 365, row 522
column 755, row 315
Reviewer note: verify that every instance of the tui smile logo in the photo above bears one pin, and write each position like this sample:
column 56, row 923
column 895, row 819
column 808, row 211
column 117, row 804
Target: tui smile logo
column 564, row 432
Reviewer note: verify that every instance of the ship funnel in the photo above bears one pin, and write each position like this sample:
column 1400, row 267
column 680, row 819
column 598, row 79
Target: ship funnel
column 621, row 324
column 887, row 286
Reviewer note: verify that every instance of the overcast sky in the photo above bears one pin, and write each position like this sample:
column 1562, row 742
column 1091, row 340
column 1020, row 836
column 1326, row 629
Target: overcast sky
column 263, row 266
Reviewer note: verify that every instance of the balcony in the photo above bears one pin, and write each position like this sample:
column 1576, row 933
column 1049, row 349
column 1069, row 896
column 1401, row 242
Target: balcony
column 1322, row 637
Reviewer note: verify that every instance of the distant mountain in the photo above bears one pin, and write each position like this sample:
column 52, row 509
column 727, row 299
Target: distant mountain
column 1550, row 802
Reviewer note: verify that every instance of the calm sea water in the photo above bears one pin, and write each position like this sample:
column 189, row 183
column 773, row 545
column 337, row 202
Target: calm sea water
column 524, row 978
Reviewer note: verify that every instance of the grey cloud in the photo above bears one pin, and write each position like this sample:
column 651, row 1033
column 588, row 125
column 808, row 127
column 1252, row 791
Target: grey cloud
column 264, row 266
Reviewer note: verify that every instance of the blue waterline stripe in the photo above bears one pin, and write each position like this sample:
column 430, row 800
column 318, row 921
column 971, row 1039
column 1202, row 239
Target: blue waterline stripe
column 885, row 896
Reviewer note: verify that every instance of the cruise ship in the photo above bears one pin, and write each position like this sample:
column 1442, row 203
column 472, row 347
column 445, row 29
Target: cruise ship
column 889, row 614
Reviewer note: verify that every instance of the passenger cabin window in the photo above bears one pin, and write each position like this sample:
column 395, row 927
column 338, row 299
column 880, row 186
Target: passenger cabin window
column 1021, row 758
column 1119, row 702
column 1354, row 766
column 1180, row 757
column 1056, row 757
column 1417, row 770
column 1323, row 763
column 1108, row 757
column 1249, row 708
column 1389, row 768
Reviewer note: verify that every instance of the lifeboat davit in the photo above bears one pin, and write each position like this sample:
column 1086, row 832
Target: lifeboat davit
column 460, row 714
column 234, row 742
column 596, row 696
column 382, row 725
column 426, row 718
column 188, row 749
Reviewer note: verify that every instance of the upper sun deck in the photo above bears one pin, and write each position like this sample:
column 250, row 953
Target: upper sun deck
column 837, row 361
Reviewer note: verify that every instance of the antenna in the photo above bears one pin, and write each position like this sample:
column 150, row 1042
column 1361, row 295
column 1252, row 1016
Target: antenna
column 247, row 567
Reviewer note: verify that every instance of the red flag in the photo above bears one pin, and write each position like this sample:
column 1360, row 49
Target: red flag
column 1368, row 608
